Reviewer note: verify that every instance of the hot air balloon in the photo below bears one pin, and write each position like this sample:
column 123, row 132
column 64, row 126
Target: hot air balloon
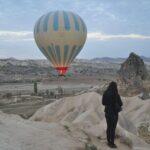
column 60, row 35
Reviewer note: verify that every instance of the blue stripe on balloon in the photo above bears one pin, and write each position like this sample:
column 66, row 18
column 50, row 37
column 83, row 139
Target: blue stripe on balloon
column 38, row 25
column 66, row 50
column 57, row 48
column 45, row 24
column 76, row 53
column 66, row 21
column 51, row 53
column 43, row 50
column 54, row 53
column 76, row 22
column 56, row 23
column 83, row 25
column 73, row 51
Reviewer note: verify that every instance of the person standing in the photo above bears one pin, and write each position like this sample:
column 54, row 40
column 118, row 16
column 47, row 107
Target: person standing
column 113, row 105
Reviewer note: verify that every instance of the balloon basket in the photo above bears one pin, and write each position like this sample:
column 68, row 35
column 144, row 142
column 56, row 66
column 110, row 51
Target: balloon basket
column 62, row 70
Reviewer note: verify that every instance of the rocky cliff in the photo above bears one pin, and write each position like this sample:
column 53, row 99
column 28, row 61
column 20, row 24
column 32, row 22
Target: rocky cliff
column 133, row 75
column 133, row 69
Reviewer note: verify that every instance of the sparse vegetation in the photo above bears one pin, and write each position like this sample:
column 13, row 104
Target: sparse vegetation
column 90, row 147
column 144, row 132
column 35, row 88
column 7, row 95
column 67, row 128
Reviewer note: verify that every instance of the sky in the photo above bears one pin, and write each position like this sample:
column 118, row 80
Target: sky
column 115, row 27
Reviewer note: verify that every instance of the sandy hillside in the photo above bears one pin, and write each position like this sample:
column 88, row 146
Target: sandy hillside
column 19, row 134
column 85, row 112
column 73, row 123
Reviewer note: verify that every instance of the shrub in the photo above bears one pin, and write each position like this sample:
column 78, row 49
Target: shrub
column 7, row 95
column 90, row 147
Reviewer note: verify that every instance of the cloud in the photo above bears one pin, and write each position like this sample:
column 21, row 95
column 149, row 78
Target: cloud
column 12, row 36
column 16, row 36
column 101, row 36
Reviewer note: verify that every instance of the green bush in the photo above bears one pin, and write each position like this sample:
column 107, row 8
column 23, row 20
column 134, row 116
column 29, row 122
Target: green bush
column 35, row 88
column 90, row 147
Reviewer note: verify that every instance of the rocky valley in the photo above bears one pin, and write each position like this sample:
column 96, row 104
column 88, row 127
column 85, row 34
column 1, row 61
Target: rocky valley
column 41, row 110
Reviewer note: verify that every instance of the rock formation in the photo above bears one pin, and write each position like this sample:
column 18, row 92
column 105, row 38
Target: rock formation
column 132, row 74
column 133, row 70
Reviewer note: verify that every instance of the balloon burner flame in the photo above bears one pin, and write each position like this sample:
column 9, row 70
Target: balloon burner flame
column 62, row 70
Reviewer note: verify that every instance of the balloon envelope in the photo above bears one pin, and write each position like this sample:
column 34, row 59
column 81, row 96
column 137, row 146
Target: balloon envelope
column 60, row 36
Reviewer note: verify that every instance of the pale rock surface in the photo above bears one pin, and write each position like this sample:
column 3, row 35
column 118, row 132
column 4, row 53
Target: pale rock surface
column 19, row 134
column 86, row 113
column 71, row 123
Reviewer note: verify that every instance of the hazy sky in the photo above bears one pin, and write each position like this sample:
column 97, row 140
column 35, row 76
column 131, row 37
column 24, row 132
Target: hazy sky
column 115, row 27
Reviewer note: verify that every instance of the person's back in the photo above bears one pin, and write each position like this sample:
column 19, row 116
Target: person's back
column 112, row 102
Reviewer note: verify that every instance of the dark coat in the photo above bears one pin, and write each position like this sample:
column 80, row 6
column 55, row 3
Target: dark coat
column 110, row 100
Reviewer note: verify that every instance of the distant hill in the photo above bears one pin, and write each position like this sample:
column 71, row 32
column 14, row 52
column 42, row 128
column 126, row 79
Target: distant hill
column 108, row 59
column 146, row 59
column 96, row 59
column 116, row 60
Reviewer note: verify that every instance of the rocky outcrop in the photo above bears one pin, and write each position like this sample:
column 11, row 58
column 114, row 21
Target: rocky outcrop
column 132, row 74
column 133, row 70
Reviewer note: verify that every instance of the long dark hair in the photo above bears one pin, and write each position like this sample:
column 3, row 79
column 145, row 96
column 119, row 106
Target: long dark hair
column 112, row 88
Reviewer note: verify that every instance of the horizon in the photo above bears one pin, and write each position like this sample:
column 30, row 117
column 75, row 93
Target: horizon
column 112, row 31
column 1, row 58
